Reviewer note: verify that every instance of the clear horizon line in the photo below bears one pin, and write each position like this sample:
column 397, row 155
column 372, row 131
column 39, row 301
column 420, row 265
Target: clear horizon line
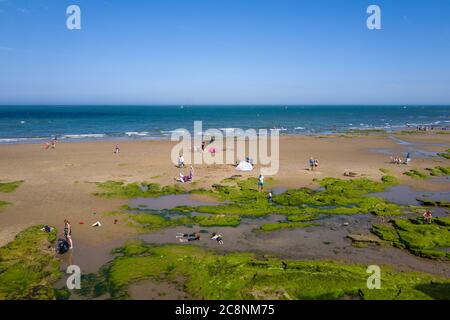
column 224, row 105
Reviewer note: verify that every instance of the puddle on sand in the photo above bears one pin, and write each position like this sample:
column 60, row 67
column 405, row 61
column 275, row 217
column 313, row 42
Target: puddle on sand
column 407, row 143
column 444, row 179
column 328, row 240
column 404, row 195
column 415, row 153
column 89, row 257
column 278, row 190
column 415, row 149
column 168, row 202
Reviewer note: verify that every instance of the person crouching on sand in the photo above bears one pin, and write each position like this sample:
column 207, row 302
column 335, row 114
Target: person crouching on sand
column 427, row 216
column 217, row 237
column 68, row 233
column 270, row 197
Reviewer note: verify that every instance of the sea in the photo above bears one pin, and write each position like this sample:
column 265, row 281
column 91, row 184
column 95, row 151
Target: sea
column 28, row 124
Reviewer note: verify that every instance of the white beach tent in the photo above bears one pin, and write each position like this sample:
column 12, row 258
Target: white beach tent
column 244, row 166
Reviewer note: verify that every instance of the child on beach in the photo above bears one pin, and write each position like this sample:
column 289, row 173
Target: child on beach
column 270, row 197
column 181, row 161
column 217, row 237
column 427, row 216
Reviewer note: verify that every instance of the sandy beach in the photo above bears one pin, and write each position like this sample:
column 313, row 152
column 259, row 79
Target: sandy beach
column 59, row 183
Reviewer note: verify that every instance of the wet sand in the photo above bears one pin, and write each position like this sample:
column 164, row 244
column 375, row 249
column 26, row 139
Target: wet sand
column 59, row 184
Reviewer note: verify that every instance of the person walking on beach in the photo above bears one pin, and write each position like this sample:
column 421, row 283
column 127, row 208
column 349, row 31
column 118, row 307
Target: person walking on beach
column 181, row 161
column 260, row 183
column 408, row 159
column 68, row 233
column 316, row 164
column 311, row 163
column 117, row 149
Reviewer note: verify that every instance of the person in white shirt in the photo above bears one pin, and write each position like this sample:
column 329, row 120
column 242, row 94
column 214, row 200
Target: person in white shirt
column 181, row 161
column 261, row 183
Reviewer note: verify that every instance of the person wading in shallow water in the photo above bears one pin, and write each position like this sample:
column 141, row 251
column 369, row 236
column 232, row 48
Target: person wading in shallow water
column 68, row 233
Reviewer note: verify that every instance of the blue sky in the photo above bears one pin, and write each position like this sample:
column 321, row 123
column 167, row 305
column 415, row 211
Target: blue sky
column 224, row 52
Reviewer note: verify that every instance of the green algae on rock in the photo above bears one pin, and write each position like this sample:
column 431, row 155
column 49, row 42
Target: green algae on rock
column 207, row 275
column 426, row 240
column 439, row 171
column 8, row 187
column 415, row 174
column 118, row 189
column 28, row 266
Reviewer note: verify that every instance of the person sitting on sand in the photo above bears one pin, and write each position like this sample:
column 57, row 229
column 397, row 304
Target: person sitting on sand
column 217, row 237
column 188, row 178
column 187, row 237
column 183, row 178
column 68, row 233
column 427, row 216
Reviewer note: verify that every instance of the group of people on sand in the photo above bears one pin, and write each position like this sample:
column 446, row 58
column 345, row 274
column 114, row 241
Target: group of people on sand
column 188, row 237
column 313, row 164
column 399, row 160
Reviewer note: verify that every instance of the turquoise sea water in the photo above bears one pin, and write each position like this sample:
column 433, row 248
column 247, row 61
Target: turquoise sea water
column 38, row 123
